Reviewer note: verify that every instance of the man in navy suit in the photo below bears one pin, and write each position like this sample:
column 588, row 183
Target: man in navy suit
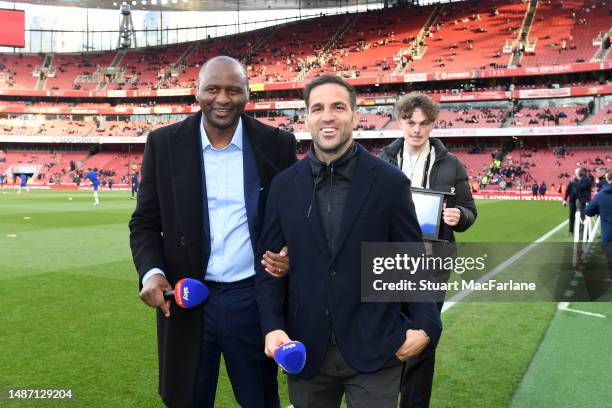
column 324, row 207
column 199, row 215
column 602, row 205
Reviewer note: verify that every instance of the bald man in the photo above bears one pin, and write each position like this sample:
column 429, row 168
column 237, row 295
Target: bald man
column 199, row 212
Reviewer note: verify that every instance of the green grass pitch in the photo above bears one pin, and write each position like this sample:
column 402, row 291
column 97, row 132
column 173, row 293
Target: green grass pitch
column 72, row 317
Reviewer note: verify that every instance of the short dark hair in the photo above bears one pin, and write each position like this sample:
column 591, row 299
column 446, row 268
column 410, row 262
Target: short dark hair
column 330, row 79
column 404, row 108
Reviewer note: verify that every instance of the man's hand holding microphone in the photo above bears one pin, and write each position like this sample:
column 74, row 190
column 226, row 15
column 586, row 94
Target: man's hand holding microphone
column 152, row 293
column 187, row 293
column 289, row 355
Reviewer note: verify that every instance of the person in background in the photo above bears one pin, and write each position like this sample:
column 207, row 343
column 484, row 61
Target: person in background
column 602, row 205
column 584, row 186
column 324, row 207
column 199, row 211
column 569, row 199
column 134, row 184
column 23, row 183
column 542, row 190
column 92, row 175
column 429, row 165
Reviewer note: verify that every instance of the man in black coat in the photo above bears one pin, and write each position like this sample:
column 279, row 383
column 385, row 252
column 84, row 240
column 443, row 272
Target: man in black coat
column 199, row 212
column 583, row 188
column 570, row 198
column 543, row 189
column 429, row 165
column 534, row 190
column 324, row 207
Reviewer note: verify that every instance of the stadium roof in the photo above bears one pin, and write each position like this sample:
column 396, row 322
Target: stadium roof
column 201, row 5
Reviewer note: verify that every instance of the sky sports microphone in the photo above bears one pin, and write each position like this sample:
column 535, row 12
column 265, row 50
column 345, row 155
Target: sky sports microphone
column 291, row 357
column 188, row 293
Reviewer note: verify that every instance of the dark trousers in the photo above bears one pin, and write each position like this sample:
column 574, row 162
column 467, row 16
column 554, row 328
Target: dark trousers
column 607, row 249
column 417, row 379
column 572, row 215
column 337, row 378
column 231, row 328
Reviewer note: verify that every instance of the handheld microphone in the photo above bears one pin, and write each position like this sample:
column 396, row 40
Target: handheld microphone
column 291, row 357
column 188, row 293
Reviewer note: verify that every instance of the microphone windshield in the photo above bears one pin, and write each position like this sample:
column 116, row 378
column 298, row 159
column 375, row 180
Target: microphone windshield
column 291, row 357
column 190, row 293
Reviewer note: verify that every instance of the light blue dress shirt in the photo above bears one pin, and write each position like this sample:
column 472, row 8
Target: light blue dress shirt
column 231, row 252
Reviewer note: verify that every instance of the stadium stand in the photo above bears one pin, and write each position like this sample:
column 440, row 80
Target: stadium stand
column 449, row 37
column 20, row 70
column 604, row 116
column 410, row 39
column 566, row 116
column 466, row 118
column 139, row 70
column 563, row 32
column 374, row 40
column 552, row 165
column 69, row 67
column 470, row 37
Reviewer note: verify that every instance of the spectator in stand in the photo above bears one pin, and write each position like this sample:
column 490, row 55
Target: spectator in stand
column 602, row 205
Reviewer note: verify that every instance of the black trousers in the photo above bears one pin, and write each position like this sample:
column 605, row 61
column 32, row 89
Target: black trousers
column 607, row 249
column 572, row 215
column 417, row 379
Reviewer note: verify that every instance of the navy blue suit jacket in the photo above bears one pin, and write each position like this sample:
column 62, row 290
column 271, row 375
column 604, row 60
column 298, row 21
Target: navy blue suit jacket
column 322, row 290
column 602, row 205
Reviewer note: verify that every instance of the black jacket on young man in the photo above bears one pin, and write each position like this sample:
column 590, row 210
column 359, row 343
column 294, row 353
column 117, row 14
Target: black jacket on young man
column 448, row 175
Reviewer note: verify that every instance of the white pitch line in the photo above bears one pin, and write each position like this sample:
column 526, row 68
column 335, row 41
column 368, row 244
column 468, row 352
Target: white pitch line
column 565, row 307
column 461, row 295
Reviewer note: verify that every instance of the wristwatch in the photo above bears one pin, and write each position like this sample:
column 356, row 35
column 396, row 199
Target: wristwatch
column 423, row 332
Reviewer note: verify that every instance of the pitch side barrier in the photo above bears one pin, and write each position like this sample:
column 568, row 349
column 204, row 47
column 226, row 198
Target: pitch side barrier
column 586, row 233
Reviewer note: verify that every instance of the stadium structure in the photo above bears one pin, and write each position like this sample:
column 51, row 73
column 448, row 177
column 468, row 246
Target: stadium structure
column 524, row 87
